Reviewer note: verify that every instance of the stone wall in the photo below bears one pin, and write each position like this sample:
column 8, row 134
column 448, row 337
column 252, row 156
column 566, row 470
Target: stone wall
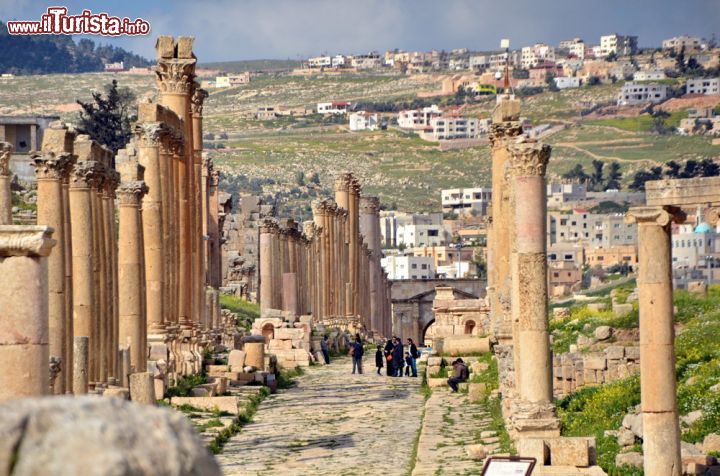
column 575, row 370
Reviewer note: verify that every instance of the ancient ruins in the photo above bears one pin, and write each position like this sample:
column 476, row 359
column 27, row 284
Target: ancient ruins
column 124, row 265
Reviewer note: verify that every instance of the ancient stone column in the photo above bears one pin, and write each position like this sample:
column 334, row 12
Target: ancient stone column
column 132, row 330
column 24, row 357
column 175, row 74
column 370, row 230
column 268, row 233
column 534, row 414
column 214, row 229
column 198, row 202
column 661, row 432
column 83, row 243
column 110, row 269
column 5, row 195
column 68, row 288
column 290, row 293
column 148, row 136
column 50, row 170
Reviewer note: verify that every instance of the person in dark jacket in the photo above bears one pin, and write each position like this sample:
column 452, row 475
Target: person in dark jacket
column 388, row 353
column 357, row 354
column 398, row 357
column 414, row 355
column 408, row 364
column 325, row 350
column 379, row 359
column 460, row 374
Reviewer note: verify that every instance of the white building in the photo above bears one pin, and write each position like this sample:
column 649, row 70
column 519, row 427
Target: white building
column 335, row 107
column 566, row 82
column 418, row 118
column 533, row 55
column 621, row 45
column 451, row 127
column 412, row 229
column 408, row 267
column 559, row 193
column 320, row 62
column 693, row 244
column 649, row 75
column 368, row 61
column 707, row 86
column 641, row 93
column 690, row 43
column 479, row 62
column 466, row 199
column 232, row 80
column 361, row 121
column 574, row 47
column 338, row 61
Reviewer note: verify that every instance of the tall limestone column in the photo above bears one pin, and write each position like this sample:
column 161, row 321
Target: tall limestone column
column 354, row 249
column 370, row 230
column 214, row 229
column 84, row 305
column 68, row 288
column 132, row 332
column 175, row 74
column 110, row 269
column 50, row 169
column 198, row 243
column 148, row 136
column 319, row 219
column 24, row 355
column 5, row 196
column 268, row 235
column 661, row 432
column 534, row 413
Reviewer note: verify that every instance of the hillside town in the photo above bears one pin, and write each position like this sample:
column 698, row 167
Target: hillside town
column 500, row 261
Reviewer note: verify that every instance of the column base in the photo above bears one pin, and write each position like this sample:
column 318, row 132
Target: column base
column 530, row 419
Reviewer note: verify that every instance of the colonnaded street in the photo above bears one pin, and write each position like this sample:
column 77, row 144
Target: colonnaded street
column 356, row 424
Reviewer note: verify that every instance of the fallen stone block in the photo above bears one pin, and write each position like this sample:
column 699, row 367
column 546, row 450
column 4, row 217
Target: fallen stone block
column 569, row 451
column 476, row 391
column 534, row 448
column 236, row 359
column 117, row 392
column 476, row 452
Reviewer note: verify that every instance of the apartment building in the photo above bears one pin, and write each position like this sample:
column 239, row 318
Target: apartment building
column 363, row 121
column 608, row 257
column 417, row 119
column 694, row 245
column 412, row 230
column 444, row 255
column 567, row 82
column 451, row 127
column 633, row 94
column 531, row 56
column 466, row 200
column 599, row 230
column 620, row 45
column 649, row 75
column 369, row 61
column 574, row 47
column 706, row 86
column 320, row 62
column 408, row 267
column 689, row 43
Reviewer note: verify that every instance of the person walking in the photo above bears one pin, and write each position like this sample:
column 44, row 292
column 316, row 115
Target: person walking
column 460, row 374
column 389, row 345
column 414, row 355
column 357, row 354
column 379, row 359
column 398, row 355
column 325, row 350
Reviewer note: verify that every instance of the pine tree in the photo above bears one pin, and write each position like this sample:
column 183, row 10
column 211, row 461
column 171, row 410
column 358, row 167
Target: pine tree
column 107, row 119
column 614, row 176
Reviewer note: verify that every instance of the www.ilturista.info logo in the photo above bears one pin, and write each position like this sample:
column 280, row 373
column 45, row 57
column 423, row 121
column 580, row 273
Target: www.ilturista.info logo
column 57, row 22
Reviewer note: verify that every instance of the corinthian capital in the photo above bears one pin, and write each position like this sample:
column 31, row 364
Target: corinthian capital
column 6, row 149
column 269, row 225
column 175, row 75
column 52, row 166
column 149, row 134
column 85, row 174
column 25, row 240
column 197, row 100
column 131, row 192
column 657, row 215
column 344, row 182
column 528, row 158
column 500, row 131
column 369, row 205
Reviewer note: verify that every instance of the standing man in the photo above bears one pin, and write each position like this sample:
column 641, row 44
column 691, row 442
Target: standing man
column 324, row 349
column 398, row 354
column 414, row 355
column 357, row 354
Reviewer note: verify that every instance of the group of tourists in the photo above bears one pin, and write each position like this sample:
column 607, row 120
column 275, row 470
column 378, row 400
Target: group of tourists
column 396, row 358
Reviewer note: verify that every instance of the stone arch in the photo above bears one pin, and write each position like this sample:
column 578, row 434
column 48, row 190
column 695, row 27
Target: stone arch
column 424, row 333
column 469, row 327
column 268, row 332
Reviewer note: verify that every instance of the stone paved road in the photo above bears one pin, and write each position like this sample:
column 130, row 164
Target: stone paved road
column 331, row 423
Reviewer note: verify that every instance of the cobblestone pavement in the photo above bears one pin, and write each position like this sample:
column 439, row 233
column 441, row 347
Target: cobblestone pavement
column 331, row 423
column 450, row 424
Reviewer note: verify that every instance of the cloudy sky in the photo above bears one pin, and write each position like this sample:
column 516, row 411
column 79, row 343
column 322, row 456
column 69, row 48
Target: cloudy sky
column 254, row 29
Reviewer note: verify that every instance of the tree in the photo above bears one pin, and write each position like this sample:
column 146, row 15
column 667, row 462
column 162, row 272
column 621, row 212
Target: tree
column 300, row 177
column 680, row 60
column 709, row 168
column 642, row 176
column 576, row 174
column 550, row 81
column 107, row 119
column 315, row 178
column 596, row 177
column 691, row 169
column 614, row 176
column 673, row 169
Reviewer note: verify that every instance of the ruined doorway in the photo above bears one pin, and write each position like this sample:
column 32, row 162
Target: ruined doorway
column 469, row 327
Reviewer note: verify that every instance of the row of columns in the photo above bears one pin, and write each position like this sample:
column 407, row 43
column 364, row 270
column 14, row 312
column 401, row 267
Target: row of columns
column 517, row 290
column 125, row 285
column 332, row 268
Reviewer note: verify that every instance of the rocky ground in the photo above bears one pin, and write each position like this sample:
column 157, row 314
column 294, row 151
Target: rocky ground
column 331, row 422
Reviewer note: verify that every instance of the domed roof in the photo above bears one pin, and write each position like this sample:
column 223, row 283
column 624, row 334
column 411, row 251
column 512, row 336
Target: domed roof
column 703, row 228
